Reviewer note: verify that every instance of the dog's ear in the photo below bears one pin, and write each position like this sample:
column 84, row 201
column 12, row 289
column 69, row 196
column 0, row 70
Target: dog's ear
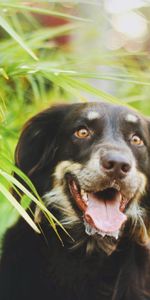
column 36, row 144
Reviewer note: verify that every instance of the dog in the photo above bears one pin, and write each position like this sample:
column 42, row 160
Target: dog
column 90, row 162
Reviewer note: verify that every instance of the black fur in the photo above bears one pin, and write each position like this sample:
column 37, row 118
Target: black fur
column 36, row 267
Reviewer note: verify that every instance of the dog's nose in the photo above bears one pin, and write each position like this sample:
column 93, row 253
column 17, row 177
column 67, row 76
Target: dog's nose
column 116, row 165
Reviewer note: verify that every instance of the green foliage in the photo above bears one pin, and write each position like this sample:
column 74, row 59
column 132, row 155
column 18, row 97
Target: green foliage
column 36, row 72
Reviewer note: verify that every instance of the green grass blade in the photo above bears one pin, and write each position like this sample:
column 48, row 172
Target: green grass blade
column 5, row 25
column 3, row 73
column 43, row 11
column 2, row 109
column 18, row 207
column 12, row 179
column 7, row 164
column 92, row 90
column 115, row 77
column 36, row 199
column 40, row 204
column 81, row 85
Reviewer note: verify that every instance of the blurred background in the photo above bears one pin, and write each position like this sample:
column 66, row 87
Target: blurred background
column 67, row 51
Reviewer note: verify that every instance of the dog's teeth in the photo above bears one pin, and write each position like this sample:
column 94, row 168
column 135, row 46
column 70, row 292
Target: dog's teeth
column 84, row 196
column 89, row 229
column 82, row 192
column 115, row 234
column 74, row 186
column 115, row 185
column 102, row 233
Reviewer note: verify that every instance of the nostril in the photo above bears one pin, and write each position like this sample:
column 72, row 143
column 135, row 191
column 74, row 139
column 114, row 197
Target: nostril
column 125, row 167
column 116, row 164
column 108, row 164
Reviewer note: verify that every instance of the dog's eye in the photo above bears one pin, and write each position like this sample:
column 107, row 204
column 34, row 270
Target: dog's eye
column 82, row 133
column 136, row 140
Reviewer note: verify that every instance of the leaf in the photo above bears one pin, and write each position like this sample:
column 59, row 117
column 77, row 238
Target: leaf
column 2, row 109
column 80, row 85
column 18, row 207
column 4, row 24
column 43, row 11
column 126, row 78
column 37, row 200
column 4, row 74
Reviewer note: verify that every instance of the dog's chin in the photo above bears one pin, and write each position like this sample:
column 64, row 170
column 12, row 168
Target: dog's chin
column 91, row 244
column 107, row 244
column 107, row 241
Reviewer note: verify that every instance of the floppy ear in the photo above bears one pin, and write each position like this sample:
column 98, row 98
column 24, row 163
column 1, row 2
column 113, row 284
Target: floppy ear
column 35, row 150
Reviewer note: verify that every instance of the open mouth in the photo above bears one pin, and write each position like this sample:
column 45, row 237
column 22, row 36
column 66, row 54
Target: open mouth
column 103, row 211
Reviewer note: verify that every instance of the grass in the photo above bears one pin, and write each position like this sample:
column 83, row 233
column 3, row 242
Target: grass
column 36, row 72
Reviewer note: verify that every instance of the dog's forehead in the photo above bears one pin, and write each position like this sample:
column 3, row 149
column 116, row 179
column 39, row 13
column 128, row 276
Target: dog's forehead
column 95, row 111
column 91, row 111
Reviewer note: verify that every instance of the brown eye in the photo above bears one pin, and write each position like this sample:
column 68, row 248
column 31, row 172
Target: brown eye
column 82, row 133
column 136, row 140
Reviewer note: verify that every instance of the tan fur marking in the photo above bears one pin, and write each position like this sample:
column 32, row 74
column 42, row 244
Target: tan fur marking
column 37, row 215
column 62, row 168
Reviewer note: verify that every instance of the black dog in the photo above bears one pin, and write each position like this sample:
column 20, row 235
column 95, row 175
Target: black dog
column 91, row 164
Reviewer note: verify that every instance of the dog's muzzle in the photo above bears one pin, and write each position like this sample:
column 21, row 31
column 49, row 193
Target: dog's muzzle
column 103, row 211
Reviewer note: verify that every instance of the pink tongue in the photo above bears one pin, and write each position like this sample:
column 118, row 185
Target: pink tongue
column 104, row 215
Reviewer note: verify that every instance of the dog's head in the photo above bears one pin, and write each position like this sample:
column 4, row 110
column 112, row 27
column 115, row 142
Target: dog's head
column 90, row 163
